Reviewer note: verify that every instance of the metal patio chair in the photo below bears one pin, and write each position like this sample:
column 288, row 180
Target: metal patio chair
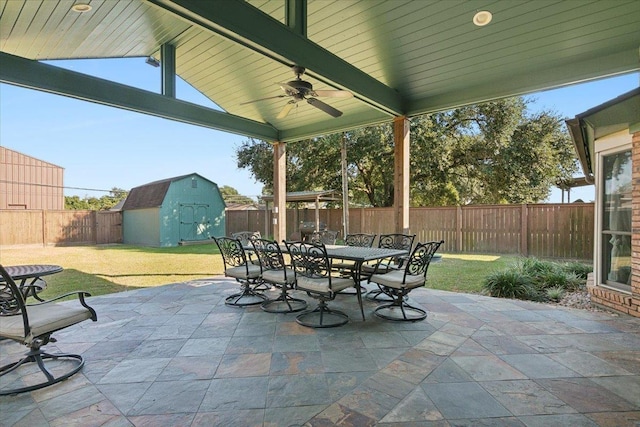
column 237, row 265
column 388, row 241
column 32, row 325
column 328, row 237
column 276, row 272
column 398, row 283
column 314, row 276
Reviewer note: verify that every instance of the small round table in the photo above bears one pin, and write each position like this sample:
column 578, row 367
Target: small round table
column 23, row 273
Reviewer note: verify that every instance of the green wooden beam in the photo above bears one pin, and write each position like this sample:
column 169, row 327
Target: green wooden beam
column 237, row 20
column 168, row 68
column 295, row 16
column 35, row 75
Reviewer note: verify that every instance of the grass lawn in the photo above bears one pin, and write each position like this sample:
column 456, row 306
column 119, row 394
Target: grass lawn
column 115, row 268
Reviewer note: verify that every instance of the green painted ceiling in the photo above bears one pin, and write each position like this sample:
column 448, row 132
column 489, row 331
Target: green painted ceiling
column 397, row 57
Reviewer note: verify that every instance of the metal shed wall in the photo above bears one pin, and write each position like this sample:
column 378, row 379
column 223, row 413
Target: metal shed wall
column 29, row 183
column 141, row 227
column 193, row 209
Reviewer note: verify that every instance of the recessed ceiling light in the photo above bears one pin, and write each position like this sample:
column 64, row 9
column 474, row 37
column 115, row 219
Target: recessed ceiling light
column 81, row 7
column 482, row 18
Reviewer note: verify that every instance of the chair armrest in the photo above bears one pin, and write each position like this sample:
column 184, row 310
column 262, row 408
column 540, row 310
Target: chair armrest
column 81, row 296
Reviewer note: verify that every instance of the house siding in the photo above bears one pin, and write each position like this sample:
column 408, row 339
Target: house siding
column 609, row 298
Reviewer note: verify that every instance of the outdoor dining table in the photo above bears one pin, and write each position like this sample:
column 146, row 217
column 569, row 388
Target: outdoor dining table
column 23, row 273
column 359, row 255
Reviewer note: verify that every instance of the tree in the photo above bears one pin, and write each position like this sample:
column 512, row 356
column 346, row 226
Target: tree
column 105, row 202
column 231, row 195
column 489, row 153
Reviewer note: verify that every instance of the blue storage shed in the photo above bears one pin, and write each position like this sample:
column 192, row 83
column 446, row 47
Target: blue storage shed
column 185, row 208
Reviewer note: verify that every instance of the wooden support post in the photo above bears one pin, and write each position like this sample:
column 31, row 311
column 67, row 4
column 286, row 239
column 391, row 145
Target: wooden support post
column 345, row 187
column 401, row 139
column 279, row 191
column 524, row 231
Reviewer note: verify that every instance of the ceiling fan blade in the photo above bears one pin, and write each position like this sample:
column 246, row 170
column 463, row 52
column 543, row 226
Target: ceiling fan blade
column 324, row 107
column 263, row 99
column 287, row 107
column 333, row 93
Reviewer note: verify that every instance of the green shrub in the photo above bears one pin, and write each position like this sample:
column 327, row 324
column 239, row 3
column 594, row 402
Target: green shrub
column 537, row 280
column 555, row 293
column 510, row 283
column 579, row 268
column 550, row 279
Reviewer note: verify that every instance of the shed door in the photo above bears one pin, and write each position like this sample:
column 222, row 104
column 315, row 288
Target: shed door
column 194, row 222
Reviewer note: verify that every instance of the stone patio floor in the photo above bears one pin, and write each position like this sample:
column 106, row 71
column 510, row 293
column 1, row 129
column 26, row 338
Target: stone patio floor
column 175, row 355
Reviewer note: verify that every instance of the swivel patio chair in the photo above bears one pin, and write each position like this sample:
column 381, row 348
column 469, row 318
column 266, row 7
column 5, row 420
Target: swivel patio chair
column 388, row 241
column 32, row 325
column 398, row 283
column 313, row 275
column 276, row 272
column 328, row 237
column 246, row 236
column 237, row 265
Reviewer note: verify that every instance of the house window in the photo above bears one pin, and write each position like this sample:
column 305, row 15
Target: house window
column 616, row 220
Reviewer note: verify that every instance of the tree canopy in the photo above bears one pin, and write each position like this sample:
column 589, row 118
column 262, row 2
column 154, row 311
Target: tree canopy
column 483, row 154
column 94, row 203
column 231, row 195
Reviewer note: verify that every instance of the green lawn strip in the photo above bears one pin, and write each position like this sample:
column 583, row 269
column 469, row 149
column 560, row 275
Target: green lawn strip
column 114, row 268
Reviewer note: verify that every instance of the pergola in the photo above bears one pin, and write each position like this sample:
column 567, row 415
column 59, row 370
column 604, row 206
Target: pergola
column 398, row 58
column 314, row 197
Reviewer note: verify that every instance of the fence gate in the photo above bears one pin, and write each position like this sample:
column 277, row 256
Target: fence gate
column 194, row 222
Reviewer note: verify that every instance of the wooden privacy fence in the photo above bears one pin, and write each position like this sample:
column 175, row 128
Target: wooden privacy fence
column 63, row 227
column 540, row 230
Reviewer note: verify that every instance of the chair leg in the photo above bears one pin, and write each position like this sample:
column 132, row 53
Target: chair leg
column 38, row 355
column 322, row 317
column 399, row 310
column 379, row 295
column 248, row 296
column 285, row 303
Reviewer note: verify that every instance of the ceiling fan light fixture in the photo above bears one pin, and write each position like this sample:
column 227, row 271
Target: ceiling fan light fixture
column 482, row 18
column 81, row 7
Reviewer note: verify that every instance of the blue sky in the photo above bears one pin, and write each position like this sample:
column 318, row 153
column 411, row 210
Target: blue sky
column 104, row 147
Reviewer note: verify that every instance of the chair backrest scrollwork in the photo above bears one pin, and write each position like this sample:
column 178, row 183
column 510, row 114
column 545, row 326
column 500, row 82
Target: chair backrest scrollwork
column 328, row 237
column 233, row 254
column 309, row 259
column 360, row 239
column 11, row 299
column 421, row 257
column 246, row 236
column 269, row 254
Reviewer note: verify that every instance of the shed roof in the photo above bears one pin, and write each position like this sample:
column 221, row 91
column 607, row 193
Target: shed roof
column 152, row 195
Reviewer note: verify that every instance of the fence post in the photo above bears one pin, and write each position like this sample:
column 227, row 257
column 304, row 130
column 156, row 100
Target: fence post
column 459, row 228
column 524, row 230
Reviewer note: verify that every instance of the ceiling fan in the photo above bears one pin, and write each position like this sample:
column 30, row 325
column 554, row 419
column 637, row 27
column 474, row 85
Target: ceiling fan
column 301, row 90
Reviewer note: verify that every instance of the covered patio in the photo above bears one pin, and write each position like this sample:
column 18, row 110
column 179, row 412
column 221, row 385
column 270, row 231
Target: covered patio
column 175, row 355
